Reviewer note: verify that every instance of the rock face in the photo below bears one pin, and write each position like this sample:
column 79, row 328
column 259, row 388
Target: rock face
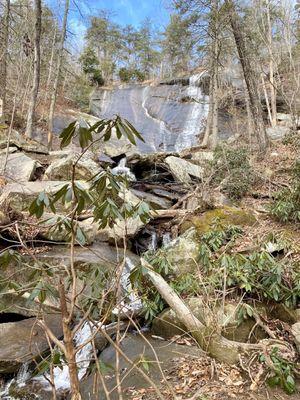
column 169, row 115
column 19, row 167
column 23, row 341
column 183, row 170
column 61, row 169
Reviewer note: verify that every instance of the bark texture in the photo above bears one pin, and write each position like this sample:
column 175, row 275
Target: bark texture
column 4, row 33
column 57, row 76
column 250, row 76
column 36, row 68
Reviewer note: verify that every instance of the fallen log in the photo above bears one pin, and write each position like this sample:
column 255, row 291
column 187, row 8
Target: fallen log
column 207, row 336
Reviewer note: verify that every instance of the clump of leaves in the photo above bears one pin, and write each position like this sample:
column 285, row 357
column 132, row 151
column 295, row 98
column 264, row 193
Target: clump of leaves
column 283, row 371
column 259, row 273
column 232, row 171
column 286, row 206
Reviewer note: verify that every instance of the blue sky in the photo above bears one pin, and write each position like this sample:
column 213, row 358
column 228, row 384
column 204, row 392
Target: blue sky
column 124, row 12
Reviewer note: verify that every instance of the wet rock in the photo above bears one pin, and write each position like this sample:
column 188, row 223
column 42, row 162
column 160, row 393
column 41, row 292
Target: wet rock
column 61, row 169
column 24, row 341
column 21, row 142
column 183, row 170
column 19, row 167
column 225, row 215
column 136, row 348
column 278, row 132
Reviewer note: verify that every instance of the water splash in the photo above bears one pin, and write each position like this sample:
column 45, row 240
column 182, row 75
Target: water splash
column 166, row 239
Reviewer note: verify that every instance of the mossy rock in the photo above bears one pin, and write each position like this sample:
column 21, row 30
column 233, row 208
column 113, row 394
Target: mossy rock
column 183, row 253
column 226, row 216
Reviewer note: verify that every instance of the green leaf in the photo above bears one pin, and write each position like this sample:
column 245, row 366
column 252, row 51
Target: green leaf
column 67, row 134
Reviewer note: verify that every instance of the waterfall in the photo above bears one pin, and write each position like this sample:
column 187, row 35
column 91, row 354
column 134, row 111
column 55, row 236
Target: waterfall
column 122, row 170
column 166, row 239
column 22, row 377
column 196, row 117
column 134, row 304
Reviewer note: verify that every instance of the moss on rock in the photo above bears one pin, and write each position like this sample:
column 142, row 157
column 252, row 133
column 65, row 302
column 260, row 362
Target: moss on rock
column 226, row 216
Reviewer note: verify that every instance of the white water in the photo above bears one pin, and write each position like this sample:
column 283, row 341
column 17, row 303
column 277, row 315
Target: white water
column 84, row 356
column 166, row 239
column 153, row 243
column 22, row 377
column 122, row 170
column 194, row 124
column 133, row 304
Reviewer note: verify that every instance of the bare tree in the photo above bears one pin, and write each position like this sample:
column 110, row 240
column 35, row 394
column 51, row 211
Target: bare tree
column 250, row 76
column 4, row 23
column 211, row 131
column 36, row 67
column 58, row 72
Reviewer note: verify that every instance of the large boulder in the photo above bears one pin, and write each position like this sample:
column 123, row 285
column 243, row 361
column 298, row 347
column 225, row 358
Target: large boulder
column 24, row 341
column 182, row 253
column 21, row 142
column 19, row 167
column 18, row 196
column 296, row 334
column 278, row 132
column 136, row 348
column 183, row 170
column 61, row 168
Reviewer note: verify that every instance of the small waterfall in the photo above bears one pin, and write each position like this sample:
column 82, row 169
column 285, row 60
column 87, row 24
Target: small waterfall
column 22, row 377
column 166, row 239
column 153, row 243
column 134, row 304
column 83, row 358
column 195, row 119
column 122, row 170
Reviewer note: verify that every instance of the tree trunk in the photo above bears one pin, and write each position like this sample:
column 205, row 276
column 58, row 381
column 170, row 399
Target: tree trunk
column 36, row 68
column 211, row 131
column 3, row 58
column 271, row 69
column 70, row 351
column 57, row 77
column 250, row 76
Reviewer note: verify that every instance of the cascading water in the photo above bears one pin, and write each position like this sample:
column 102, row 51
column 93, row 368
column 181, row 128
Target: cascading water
column 22, row 377
column 170, row 117
column 196, row 117
column 133, row 304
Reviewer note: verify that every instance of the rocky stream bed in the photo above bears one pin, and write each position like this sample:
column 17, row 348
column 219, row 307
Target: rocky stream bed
column 167, row 181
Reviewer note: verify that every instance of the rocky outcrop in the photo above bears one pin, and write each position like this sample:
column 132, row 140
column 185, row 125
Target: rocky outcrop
column 19, row 167
column 24, row 341
column 21, row 142
column 62, row 168
column 183, row 170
